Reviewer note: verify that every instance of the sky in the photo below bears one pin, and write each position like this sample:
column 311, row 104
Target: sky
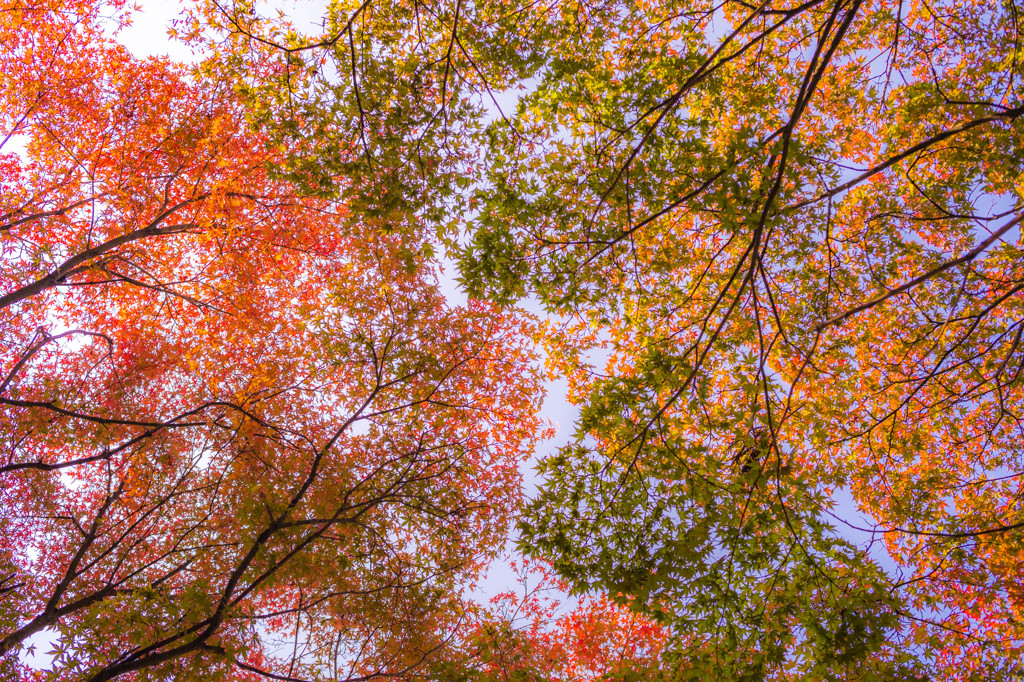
column 148, row 34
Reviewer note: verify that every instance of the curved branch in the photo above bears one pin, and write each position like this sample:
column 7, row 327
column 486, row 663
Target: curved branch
column 46, row 338
column 966, row 258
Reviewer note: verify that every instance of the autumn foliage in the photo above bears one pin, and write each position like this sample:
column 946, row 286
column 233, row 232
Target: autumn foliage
column 244, row 434
column 783, row 242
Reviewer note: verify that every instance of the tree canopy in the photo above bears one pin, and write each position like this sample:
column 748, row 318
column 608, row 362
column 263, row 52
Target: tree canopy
column 231, row 411
column 794, row 231
column 777, row 251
